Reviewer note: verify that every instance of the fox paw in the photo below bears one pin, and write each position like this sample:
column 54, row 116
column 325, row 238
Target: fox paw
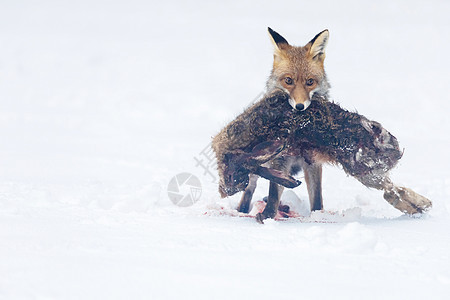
column 244, row 208
column 260, row 217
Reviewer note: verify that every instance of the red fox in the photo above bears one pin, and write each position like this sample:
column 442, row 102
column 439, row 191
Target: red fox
column 272, row 140
column 299, row 71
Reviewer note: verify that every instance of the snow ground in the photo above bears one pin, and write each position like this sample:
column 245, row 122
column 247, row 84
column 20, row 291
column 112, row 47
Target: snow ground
column 103, row 102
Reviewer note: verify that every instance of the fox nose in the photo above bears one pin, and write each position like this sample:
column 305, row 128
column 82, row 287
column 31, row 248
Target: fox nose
column 299, row 106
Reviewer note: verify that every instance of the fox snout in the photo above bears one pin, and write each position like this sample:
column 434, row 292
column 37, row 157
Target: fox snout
column 299, row 98
column 299, row 106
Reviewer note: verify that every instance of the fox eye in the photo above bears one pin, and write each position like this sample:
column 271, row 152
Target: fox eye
column 310, row 82
column 288, row 80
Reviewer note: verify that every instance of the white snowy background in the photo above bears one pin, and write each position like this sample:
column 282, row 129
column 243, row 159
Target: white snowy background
column 103, row 102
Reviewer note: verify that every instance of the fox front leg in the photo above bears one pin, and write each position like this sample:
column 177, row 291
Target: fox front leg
column 273, row 201
column 244, row 205
column 313, row 178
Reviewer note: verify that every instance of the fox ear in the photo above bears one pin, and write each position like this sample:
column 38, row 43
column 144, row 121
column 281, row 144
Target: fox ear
column 318, row 44
column 278, row 41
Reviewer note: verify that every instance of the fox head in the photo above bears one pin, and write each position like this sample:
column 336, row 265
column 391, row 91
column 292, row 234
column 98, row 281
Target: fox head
column 299, row 71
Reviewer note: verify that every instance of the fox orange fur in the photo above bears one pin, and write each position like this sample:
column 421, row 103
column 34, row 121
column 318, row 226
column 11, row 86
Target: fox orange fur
column 299, row 71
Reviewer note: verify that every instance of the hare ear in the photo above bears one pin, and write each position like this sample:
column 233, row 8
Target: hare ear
column 318, row 44
column 278, row 177
column 266, row 151
column 260, row 154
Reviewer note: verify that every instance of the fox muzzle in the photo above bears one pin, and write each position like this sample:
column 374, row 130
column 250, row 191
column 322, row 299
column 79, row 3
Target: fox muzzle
column 299, row 106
